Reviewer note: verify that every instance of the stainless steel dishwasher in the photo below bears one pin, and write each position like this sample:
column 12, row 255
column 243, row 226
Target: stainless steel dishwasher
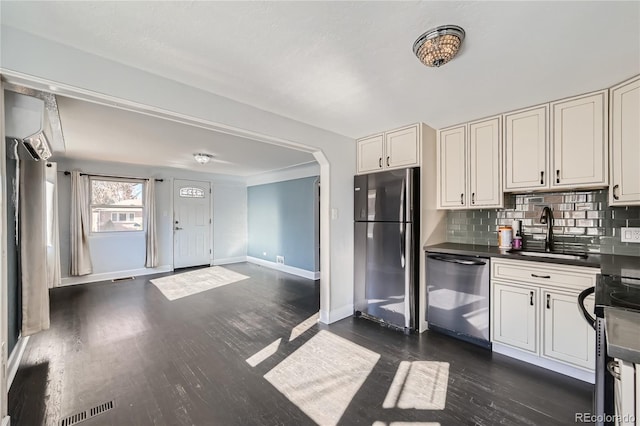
column 458, row 296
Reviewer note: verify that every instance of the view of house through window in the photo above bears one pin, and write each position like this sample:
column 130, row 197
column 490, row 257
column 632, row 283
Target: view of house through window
column 116, row 205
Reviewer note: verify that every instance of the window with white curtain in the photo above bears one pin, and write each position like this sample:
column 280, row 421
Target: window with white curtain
column 117, row 205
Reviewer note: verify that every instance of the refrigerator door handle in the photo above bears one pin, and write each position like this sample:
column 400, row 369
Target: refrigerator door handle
column 408, row 273
column 403, row 242
column 403, row 200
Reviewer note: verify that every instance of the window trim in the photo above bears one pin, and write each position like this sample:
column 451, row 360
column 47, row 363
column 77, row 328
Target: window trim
column 124, row 208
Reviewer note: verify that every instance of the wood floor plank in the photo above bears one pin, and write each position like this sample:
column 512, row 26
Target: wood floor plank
column 183, row 362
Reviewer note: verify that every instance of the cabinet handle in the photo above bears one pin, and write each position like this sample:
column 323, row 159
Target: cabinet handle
column 542, row 178
column 558, row 176
column 548, row 301
column 546, row 277
column 380, row 162
column 615, row 197
column 388, row 162
column 462, row 198
column 531, row 298
column 473, row 198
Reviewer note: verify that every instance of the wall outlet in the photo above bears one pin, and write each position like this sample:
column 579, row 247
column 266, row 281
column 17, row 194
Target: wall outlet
column 280, row 260
column 630, row 235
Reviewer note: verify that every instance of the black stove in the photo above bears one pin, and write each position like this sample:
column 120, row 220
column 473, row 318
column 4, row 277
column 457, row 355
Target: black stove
column 615, row 291
column 611, row 291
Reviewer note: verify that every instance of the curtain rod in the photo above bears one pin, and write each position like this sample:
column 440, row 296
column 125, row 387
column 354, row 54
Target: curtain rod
column 115, row 177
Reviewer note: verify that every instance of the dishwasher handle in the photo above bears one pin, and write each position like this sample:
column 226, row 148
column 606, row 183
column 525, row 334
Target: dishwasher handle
column 458, row 261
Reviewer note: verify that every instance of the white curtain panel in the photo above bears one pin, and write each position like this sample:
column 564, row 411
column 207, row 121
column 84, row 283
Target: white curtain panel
column 33, row 246
column 80, row 254
column 150, row 213
column 53, row 227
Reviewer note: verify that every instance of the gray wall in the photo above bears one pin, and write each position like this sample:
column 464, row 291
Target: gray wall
column 583, row 220
column 126, row 251
column 282, row 220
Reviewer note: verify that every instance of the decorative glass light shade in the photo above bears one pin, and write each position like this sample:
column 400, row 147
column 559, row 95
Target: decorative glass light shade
column 202, row 158
column 439, row 45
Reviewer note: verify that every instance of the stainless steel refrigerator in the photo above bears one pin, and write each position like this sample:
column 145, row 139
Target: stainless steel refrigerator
column 386, row 212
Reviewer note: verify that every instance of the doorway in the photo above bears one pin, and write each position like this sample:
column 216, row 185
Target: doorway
column 191, row 223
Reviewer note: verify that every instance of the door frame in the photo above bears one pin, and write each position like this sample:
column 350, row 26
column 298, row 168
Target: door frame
column 4, row 391
column 173, row 219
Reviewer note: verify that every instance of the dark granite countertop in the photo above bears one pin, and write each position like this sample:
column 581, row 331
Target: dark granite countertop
column 623, row 339
column 609, row 264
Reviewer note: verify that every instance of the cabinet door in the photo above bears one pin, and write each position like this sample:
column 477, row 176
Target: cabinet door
column 514, row 316
column 370, row 153
column 485, row 185
column 625, row 144
column 567, row 336
column 452, row 157
column 526, row 146
column 402, row 148
column 579, row 139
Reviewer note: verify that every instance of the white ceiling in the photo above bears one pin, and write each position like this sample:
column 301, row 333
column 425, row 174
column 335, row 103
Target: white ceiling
column 348, row 66
column 97, row 132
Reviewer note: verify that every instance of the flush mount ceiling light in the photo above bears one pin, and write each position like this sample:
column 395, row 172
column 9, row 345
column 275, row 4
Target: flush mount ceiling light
column 202, row 158
column 439, row 45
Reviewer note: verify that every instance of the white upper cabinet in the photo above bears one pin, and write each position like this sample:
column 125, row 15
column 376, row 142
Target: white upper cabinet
column 370, row 153
column 452, row 167
column 526, row 148
column 485, row 184
column 625, row 143
column 562, row 145
column 469, row 165
column 394, row 149
column 579, row 135
column 402, row 147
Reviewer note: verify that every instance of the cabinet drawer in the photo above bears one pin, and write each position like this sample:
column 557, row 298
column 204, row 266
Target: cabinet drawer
column 546, row 274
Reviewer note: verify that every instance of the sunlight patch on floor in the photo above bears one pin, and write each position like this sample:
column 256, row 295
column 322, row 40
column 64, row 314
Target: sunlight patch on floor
column 264, row 353
column 378, row 423
column 305, row 325
column 420, row 385
column 323, row 375
column 188, row 283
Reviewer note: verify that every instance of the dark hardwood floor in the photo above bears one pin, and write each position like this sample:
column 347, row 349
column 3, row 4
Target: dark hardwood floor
column 183, row 362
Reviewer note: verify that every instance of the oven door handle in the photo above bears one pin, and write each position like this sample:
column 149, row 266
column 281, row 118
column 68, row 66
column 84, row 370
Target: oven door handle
column 583, row 295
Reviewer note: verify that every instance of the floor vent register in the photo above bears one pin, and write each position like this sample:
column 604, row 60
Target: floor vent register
column 76, row 418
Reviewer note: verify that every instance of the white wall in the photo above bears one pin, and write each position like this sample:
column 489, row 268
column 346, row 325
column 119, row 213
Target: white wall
column 115, row 254
column 41, row 63
column 229, row 222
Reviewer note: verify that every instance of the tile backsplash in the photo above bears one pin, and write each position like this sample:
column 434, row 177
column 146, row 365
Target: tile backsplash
column 583, row 221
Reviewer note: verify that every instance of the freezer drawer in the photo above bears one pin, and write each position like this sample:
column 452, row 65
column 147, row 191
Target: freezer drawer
column 384, row 271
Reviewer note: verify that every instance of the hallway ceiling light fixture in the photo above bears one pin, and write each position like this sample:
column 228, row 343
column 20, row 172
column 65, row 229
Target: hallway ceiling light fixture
column 202, row 158
column 439, row 45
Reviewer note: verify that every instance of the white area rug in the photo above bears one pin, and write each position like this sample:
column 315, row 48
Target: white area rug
column 323, row 375
column 187, row 283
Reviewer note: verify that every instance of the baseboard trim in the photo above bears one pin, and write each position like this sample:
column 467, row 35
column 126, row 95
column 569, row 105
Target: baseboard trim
column 228, row 260
column 310, row 275
column 15, row 358
column 6, row 421
column 558, row 367
column 92, row 278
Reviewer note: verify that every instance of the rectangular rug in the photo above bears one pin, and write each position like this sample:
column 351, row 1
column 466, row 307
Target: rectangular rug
column 187, row 283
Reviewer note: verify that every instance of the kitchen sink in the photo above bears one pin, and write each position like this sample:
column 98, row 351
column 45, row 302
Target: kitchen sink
column 550, row 254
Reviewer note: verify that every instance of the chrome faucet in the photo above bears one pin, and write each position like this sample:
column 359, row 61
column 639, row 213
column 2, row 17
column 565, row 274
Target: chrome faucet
column 547, row 219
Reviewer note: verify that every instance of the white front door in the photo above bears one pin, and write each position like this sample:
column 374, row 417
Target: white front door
column 191, row 223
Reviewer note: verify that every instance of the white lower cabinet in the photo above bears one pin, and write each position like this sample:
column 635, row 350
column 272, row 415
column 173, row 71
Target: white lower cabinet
column 535, row 310
column 567, row 336
column 514, row 319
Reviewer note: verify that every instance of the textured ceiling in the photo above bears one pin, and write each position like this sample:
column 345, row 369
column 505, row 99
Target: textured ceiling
column 96, row 132
column 348, row 66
